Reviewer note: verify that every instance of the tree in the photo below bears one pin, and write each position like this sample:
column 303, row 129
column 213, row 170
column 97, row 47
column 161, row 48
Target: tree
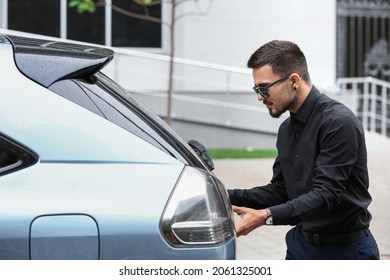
column 90, row 6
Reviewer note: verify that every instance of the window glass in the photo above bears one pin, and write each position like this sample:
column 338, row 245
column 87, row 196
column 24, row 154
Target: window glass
column 13, row 157
column 95, row 98
column 7, row 158
column 129, row 31
column 75, row 92
column 107, row 99
column 86, row 27
column 38, row 16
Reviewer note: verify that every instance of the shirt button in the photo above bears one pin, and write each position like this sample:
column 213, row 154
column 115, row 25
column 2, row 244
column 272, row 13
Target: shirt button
column 296, row 157
column 297, row 135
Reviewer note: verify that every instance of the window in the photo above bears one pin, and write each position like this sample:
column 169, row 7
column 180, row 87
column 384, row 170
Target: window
column 38, row 16
column 106, row 26
column 7, row 159
column 13, row 156
column 108, row 100
column 129, row 31
column 99, row 98
column 86, row 27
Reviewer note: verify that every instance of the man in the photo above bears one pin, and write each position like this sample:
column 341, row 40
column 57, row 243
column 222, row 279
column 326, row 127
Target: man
column 320, row 177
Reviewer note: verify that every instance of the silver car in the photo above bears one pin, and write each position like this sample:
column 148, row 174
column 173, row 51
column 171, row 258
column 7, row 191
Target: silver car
column 87, row 172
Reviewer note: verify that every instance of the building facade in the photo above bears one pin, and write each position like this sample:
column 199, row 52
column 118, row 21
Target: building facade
column 341, row 38
column 216, row 31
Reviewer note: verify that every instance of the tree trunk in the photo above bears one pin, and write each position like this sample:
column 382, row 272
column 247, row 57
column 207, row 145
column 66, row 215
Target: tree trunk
column 171, row 64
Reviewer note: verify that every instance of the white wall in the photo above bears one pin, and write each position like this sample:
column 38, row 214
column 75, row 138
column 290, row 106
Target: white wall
column 3, row 23
column 233, row 30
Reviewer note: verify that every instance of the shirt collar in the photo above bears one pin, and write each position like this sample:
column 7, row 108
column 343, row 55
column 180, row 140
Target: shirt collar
column 307, row 106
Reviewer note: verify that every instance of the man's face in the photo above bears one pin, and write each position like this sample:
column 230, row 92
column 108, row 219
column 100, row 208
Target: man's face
column 281, row 97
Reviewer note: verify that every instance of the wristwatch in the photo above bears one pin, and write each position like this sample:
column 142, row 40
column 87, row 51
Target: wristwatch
column 268, row 220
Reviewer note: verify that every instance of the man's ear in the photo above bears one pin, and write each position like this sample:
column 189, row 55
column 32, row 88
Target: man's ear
column 295, row 80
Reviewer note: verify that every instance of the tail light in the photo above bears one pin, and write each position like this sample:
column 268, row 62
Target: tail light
column 198, row 211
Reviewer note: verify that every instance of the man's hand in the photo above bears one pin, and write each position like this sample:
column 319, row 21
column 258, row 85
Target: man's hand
column 250, row 219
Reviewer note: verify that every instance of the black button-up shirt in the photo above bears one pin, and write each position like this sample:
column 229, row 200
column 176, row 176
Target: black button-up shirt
column 320, row 176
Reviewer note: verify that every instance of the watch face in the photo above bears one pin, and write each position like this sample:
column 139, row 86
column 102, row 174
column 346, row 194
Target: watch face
column 268, row 221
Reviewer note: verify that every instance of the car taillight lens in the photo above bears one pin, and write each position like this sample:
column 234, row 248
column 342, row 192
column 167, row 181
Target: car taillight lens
column 198, row 211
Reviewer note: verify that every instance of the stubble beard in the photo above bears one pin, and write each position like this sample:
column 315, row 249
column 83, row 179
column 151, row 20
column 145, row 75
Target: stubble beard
column 286, row 105
column 277, row 113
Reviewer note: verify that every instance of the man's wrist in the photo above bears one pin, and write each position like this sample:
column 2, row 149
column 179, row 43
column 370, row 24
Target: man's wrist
column 268, row 219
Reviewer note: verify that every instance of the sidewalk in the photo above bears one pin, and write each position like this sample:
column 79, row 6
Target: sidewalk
column 268, row 242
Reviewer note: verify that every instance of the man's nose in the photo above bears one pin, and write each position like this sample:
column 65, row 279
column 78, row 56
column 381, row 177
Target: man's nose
column 260, row 97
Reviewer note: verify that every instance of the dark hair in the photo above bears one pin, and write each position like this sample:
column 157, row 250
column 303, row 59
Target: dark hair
column 284, row 57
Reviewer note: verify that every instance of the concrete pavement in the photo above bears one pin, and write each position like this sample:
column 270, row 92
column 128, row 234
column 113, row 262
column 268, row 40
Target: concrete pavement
column 267, row 243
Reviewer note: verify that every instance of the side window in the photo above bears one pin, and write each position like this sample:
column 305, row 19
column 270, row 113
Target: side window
column 7, row 160
column 14, row 157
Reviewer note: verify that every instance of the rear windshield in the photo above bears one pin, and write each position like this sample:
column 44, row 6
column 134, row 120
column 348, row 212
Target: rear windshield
column 106, row 98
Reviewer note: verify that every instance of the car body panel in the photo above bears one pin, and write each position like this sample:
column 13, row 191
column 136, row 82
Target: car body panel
column 74, row 189
column 79, row 194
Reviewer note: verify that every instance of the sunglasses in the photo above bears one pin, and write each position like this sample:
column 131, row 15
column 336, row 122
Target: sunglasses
column 263, row 90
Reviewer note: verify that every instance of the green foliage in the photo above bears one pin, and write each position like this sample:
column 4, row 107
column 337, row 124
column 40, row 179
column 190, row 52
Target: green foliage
column 241, row 153
column 90, row 5
column 83, row 5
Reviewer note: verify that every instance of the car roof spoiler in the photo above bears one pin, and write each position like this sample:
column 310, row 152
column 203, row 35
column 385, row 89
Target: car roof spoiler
column 77, row 61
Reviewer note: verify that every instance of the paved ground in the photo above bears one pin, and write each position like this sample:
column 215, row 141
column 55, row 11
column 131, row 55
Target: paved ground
column 268, row 242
